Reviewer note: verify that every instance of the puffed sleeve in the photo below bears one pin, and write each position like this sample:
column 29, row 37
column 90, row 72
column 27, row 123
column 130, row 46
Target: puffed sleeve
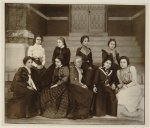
column 21, row 76
column 90, row 58
column 65, row 76
column 30, row 51
column 104, row 55
column 117, row 56
column 134, row 76
column 68, row 56
column 43, row 57
column 118, row 75
column 78, row 52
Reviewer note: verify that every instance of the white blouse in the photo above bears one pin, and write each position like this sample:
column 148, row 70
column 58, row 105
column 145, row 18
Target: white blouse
column 37, row 51
column 30, row 81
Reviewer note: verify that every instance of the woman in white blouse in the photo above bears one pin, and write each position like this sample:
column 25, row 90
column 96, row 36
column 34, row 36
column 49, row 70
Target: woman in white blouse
column 37, row 52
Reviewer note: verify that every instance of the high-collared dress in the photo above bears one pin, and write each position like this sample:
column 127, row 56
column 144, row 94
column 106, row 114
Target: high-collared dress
column 130, row 95
column 63, row 52
column 106, row 101
column 87, row 62
column 54, row 101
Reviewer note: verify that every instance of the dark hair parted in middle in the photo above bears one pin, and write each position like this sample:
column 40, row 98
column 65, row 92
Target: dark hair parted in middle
column 26, row 58
column 106, row 60
column 63, row 40
column 114, row 40
column 36, row 37
column 126, row 58
column 61, row 58
column 83, row 37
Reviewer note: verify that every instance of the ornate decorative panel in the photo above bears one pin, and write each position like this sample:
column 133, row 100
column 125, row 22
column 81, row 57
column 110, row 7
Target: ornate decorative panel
column 96, row 18
column 79, row 18
column 88, row 18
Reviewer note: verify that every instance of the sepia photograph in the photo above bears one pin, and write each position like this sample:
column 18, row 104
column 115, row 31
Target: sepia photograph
column 74, row 64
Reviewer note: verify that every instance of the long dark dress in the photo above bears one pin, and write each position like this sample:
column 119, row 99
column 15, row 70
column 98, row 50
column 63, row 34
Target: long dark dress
column 106, row 102
column 65, row 53
column 80, row 98
column 24, row 101
column 87, row 62
column 54, row 101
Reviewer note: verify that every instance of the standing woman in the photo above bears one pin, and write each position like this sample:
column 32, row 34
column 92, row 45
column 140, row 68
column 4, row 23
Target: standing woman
column 112, row 53
column 129, row 95
column 61, row 50
column 106, row 101
column 24, row 91
column 37, row 52
column 54, row 98
column 86, row 54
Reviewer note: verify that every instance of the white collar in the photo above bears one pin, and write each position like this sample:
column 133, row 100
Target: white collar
column 105, row 72
column 36, row 45
column 28, row 69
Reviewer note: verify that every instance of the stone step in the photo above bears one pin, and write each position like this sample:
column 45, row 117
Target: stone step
column 99, row 59
column 95, row 53
column 90, row 34
column 92, row 43
column 98, row 49
column 118, row 38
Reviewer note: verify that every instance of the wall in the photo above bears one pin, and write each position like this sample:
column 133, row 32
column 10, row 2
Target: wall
column 123, row 26
column 58, row 27
column 35, row 23
column 139, row 30
column 119, row 28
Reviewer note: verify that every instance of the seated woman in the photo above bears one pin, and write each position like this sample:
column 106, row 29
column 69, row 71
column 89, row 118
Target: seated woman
column 54, row 98
column 111, row 52
column 60, row 50
column 24, row 92
column 106, row 101
column 87, row 65
column 37, row 52
column 129, row 95
column 79, row 95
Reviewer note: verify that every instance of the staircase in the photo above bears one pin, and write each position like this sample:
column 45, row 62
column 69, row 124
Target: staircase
column 126, row 46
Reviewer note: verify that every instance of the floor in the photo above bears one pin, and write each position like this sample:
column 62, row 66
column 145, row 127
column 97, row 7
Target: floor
column 106, row 120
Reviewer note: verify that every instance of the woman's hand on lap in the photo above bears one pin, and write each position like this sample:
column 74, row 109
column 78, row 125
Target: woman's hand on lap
column 84, row 86
column 30, row 88
column 94, row 89
column 113, row 86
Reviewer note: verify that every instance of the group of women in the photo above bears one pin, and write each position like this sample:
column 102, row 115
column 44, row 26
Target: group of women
column 74, row 90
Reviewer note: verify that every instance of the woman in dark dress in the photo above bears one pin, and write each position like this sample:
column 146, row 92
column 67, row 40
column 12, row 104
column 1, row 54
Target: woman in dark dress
column 106, row 102
column 111, row 52
column 87, row 65
column 80, row 96
column 61, row 50
column 54, row 98
column 24, row 92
